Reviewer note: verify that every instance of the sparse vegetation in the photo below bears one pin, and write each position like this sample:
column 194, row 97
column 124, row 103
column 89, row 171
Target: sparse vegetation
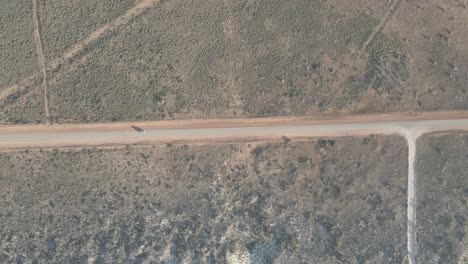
column 438, row 66
column 442, row 199
column 264, row 203
column 207, row 59
column 386, row 69
column 17, row 49
column 192, row 59
column 28, row 106
column 66, row 23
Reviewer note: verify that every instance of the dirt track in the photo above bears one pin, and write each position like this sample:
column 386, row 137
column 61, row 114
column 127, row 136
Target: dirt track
column 76, row 50
column 224, row 130
column 40, row 54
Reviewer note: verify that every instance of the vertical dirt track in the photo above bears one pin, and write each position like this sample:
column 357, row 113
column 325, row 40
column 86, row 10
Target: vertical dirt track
column 75, row 51
column 411, row 138
column 40, row 55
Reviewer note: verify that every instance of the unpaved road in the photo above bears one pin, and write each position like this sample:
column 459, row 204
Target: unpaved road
column 223, row 130
column 411, row 137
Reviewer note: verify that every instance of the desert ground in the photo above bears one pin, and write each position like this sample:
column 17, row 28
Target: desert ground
column 301, row 131
column 155, row 60
column 316, row 201
column 442, row 198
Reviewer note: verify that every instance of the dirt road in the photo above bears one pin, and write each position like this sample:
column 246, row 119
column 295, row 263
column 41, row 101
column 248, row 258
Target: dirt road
column 223, row 130
column 411, row 137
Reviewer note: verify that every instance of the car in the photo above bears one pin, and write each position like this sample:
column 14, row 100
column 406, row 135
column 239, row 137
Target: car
column 139, row 129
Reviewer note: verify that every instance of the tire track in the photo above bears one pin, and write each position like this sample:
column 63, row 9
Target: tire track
column 40, row 55
column 382, row 24
column 123, row 20
column 76, row 51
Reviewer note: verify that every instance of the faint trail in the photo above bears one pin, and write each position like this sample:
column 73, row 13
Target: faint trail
column 68, row 68
column 40, row 55
column 5, row 92
column 133, row 12
column 102, row 31
column 381, row 25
